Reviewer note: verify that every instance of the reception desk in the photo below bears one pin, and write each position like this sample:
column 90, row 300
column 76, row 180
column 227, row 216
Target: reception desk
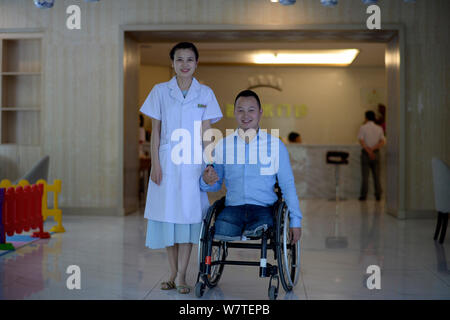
column 315, row 179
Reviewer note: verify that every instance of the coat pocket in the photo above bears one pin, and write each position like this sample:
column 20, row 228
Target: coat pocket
column 165, row 160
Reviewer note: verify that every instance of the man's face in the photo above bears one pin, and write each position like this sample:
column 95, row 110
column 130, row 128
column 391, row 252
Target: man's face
column 247, row 113
column 184, row 63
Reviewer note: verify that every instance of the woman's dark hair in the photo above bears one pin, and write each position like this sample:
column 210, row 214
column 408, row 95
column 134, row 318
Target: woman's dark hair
column 248, row 93
column 293, row 136
column 370, row 115
column 183, row 45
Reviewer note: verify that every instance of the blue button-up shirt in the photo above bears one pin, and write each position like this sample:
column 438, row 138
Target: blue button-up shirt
column 250, row 171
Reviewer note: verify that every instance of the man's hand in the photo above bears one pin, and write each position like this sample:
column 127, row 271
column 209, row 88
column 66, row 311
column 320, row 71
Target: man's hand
column 294, row 234
column 370, row 152
column 210, row 175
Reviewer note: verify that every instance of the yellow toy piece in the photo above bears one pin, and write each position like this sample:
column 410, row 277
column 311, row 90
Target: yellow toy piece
column 23, row 183
column 6, row 184
column 56, row 213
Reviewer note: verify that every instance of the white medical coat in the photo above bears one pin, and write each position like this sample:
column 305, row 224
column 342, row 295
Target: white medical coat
column 178, row 198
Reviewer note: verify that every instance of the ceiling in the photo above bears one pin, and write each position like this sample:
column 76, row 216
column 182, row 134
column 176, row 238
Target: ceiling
column 238, row 53
column 223, row 47
column 263, row 35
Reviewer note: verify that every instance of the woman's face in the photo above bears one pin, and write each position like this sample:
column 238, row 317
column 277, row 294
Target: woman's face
column 184, row 63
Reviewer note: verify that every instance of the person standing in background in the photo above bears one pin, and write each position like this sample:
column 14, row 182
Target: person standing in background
column 371, row 138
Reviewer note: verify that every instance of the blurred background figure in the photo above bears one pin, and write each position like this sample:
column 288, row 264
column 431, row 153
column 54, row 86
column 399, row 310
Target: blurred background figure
column 381, row 120
column 295, row 137
column 142, row 136
column 371, row 138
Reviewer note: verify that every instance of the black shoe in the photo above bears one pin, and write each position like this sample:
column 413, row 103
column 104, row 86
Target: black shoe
column 362, row 198
column 378, row 198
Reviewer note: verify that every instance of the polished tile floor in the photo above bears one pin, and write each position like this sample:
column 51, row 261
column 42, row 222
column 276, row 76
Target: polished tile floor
column 115, row 264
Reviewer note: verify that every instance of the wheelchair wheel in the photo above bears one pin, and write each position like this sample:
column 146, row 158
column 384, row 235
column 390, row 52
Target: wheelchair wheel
column 288, row 255
column 218, row 252
column 199, row 289
column 273, row 293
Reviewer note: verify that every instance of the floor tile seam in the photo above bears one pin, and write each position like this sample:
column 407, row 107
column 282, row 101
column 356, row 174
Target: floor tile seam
column 153, row 288
column 437, row 276
column 304, row 286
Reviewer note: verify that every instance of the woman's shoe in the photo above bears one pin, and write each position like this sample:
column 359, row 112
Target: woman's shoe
column 168, row 285
column 183, row 289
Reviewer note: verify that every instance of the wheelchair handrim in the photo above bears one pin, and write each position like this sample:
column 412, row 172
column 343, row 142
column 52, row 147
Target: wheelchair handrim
column 285, row 252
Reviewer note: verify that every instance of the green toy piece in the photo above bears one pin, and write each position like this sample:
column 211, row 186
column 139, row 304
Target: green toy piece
column 7, row 246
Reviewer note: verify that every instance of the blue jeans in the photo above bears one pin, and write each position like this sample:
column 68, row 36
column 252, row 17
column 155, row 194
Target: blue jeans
column 234, row 220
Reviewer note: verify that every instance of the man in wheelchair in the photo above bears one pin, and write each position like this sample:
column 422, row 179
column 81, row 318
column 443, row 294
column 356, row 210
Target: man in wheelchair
column 242, row 161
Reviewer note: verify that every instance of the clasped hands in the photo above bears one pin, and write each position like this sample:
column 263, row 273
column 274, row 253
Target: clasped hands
column 371, row 153
column 210, row 175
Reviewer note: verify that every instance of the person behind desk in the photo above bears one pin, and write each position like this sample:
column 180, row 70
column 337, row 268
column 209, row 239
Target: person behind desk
column 371, row 138
column 250, row 187
column 295, row 137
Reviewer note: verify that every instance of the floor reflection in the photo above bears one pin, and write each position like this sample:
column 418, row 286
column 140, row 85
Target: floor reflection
column 115, row 264
column 337, row 240
column 370, row 231
column 441, row 259
column 26, row 271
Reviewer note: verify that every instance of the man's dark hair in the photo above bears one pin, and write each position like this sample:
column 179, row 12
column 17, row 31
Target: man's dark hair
column 247, row 93
column 370, row 115
column 293, row 136
column 183, row 45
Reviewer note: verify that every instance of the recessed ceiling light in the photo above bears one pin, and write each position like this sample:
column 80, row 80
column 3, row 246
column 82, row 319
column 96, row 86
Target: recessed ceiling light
column 342, row 57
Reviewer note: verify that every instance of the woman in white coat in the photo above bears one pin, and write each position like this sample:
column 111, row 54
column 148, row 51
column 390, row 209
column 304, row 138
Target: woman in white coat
column 181, row 109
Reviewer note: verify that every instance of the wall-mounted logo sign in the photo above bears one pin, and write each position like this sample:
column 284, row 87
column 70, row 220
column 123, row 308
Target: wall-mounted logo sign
column 270, row 110
column 265, row 81
column 371, row 97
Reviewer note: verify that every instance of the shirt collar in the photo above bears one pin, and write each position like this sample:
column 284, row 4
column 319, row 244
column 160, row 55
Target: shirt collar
column 176, row 91
column 259, row 135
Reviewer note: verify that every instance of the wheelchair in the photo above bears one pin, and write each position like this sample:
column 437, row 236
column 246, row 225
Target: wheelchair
column 213, row 251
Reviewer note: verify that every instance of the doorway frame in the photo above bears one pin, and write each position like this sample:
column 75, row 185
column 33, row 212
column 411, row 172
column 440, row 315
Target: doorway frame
column 396, row 205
